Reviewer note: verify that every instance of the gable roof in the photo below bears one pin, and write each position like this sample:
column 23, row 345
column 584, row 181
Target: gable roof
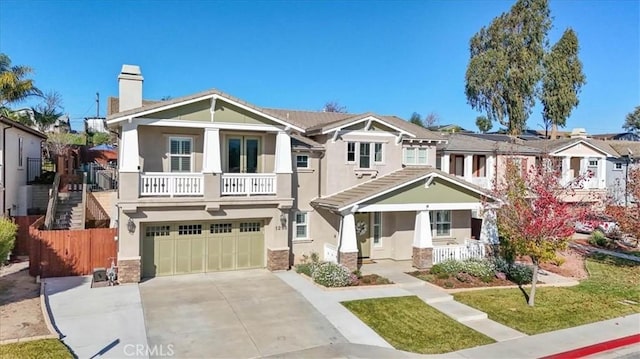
column 389, row 182
column 467, row 143
column 18, row 125
column 551, row 146
column 301, row 142
column 622, row 148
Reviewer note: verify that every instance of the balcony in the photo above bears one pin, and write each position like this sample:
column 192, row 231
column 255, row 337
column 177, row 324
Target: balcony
column 247, row 184
column 171, row 184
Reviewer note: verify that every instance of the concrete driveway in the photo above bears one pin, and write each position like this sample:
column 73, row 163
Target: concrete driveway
column 240, row 314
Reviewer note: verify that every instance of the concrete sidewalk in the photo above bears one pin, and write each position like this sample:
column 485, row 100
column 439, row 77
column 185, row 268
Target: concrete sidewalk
column 589, row 249
column 97, row 323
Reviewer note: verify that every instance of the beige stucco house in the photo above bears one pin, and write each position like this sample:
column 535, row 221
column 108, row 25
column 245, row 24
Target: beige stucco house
column 210, row 182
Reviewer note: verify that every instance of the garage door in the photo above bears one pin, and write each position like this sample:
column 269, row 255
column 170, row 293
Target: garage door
column 180, row 248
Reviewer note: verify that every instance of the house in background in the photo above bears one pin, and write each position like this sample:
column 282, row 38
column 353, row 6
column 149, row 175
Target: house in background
column 20, row 164
column 95, row 125
column 628, row 156
column 210, row 182
column 625, row 136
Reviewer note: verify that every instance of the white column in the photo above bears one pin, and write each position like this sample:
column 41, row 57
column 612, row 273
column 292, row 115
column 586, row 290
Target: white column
column 422, row 236
column 444, row 164
column 211, row 151
column 129, row 154
column 468, row 167
column 348, row 239
column 490, row 170
column 489, row 229
column 602, row 175
column 566, row 168
column 283, row 153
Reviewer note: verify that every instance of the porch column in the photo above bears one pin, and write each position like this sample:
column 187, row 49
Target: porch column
column 489, row 229
column 348, row 253
column 283, row 153
column 602, row 172
column 422, row 241
column 468, row 167
column 444, row 164
column 211, row 152
column 490, row 170
column 566, row 168
column 129, row 153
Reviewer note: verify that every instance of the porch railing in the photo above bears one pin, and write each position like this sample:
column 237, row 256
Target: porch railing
column 471, row 249
column 171, row 184
column 246, row 184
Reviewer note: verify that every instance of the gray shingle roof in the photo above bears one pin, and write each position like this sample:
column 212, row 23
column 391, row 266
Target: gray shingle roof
column 547, row 146
column 466, row 143
column 389, row 181
column 622, row 148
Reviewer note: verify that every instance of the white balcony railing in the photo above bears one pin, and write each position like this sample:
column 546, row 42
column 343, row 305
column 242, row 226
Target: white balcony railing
column 471, row 249
column 481, row 182
column 246, row 184
column 171, row 184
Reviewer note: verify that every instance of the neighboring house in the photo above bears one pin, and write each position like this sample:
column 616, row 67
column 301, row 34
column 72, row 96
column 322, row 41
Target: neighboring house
column 575, row 157
column 21, row 150
column 480, row 161
column 95, row 125
column 625, row 136
column 210, row 182
column 450, row 128
column 61, row 125
column 628, row 156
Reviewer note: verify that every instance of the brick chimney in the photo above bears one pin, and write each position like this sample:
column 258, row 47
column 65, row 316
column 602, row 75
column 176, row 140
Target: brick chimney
column 130, row 87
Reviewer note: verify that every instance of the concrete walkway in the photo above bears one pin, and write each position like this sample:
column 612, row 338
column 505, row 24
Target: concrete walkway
column 96, row 323
column 590, row 249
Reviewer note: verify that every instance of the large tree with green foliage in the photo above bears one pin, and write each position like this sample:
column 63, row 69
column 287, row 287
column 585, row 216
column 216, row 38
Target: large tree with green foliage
column 484, row 124
column 416, row 119
column 47, row 113
column 632, row 121
column 506, row 64
column 561, row 81
column 14, row 84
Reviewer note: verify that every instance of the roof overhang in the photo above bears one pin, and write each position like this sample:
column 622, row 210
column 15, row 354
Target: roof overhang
column 368, row 120
column 213, row 97
column 586, row 143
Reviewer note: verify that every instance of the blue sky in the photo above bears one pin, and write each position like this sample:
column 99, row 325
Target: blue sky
column 384, row 57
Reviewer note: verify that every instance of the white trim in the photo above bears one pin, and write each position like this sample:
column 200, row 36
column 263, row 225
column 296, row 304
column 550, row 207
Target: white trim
column 211, row 157
column 129, row 149
column 346, row 134
column 198, row 99
column 555, row 152
column 306, row 224
column 422, row 233
column 283, row 153
column 308, row 162
column 373, row 230
column 419, row 207
column 191, row 155
column 204, row 125
column 368, row 118
column 434, row 223
column 414, row 181
column 348, row 238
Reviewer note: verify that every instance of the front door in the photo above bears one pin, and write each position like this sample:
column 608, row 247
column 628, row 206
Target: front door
column 363, row 235
column 243, row 154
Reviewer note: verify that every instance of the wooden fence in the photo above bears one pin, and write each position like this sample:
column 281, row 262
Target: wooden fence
column 62, row 253
column 22, row 245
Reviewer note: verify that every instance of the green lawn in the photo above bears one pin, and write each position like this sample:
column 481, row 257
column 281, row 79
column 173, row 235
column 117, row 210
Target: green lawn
column 410, row 324
column 46, row 348
column 598, row 298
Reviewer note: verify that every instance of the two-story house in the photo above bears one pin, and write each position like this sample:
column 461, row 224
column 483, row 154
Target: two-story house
column 628, row 157
column 210, row 182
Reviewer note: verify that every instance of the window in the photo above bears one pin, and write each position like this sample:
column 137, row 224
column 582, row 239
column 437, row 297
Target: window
column 217, row 228
column 302, row 161
column 479, row 166
column 180, row 154
column 156, row 231
column 377, row 229
column 618, row 166
column 441, row 224
column 593, row 163
column 20, row 152
column 457, row 167
column 377, row 152
column 365, row 155
column 351, row 151
column 249, row 227
column 189, row 229
column 301, row 225
column 415, row 156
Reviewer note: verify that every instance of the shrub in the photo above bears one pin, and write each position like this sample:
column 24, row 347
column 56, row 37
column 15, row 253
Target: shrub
column 597, row 238
column 442, row 275
column 305, row 268
column 464, row 277
column 8, row 231
column 332, row 275
column 520, row 274
column 450, row 266
column 479, row 268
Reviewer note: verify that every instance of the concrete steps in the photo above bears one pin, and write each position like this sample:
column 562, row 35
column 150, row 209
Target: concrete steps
column 69, row 211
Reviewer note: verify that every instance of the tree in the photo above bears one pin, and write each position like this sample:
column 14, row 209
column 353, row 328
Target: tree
column 59, row 143
column 416, row 119
column 534, row 220
column 334, row 106
column 431, row 119
column 47, row 114
column 632, row 121
column 484, row 124
column 628, row 217
column 14, row 86
column 561, row 81
column 101, row 138
column 506, row 64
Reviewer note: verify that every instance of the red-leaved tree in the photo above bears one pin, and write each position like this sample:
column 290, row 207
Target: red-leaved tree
column 628, row 217
column 536, row 218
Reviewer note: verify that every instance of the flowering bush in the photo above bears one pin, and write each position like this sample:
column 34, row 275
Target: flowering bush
column 516, row 272
column 478, row 268
column 332, row 275
column 8, row 231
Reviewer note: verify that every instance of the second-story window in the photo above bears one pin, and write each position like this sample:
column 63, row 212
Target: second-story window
column 351, row 151
column 377, row 152
column 415, row 156
column 479, row 166
column 302, row 161
column 618, row 166
column 20, row 152
column 180, row 154
column 365, row 155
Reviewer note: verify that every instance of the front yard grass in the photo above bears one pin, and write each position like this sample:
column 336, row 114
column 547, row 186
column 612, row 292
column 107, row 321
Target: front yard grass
column 45, row 348
column 611, row 291
column 410, row 324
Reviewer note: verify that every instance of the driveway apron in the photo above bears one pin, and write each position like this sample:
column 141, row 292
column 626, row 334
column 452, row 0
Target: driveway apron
column 240, row 314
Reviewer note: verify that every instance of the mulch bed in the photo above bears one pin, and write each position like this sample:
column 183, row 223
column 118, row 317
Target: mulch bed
column 453, row 283
column 372, row 279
